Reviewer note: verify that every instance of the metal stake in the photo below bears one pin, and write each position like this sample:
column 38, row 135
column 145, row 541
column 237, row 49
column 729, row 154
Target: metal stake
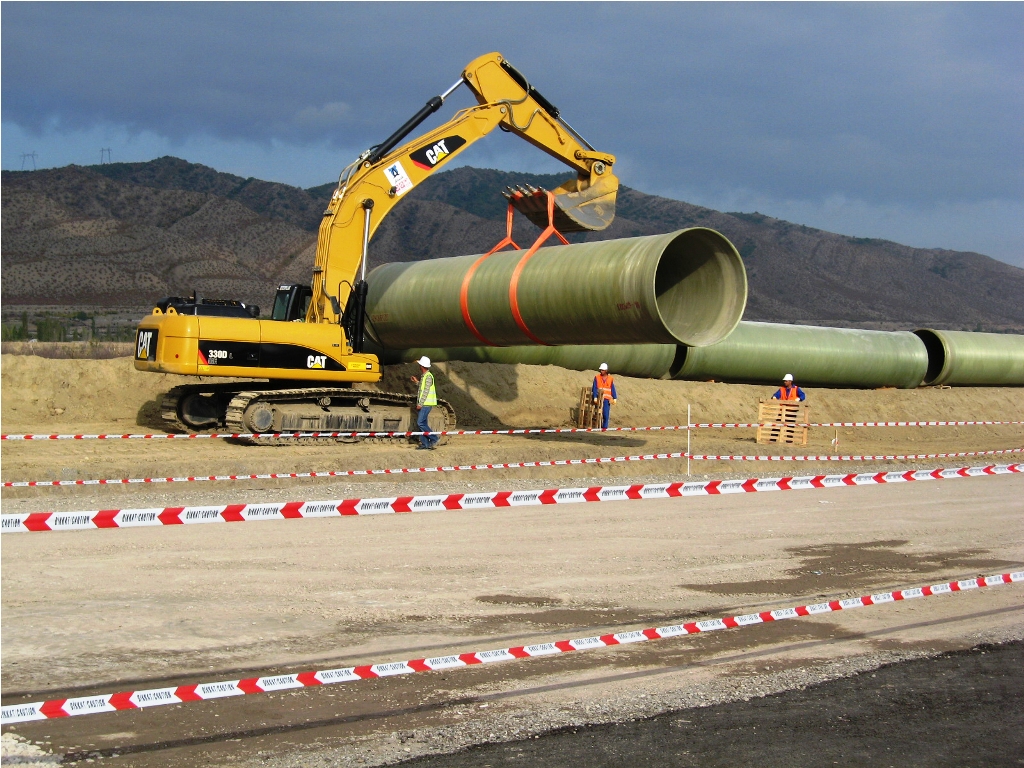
column 688, row 439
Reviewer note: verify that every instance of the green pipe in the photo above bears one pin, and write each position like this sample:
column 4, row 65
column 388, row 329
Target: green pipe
column 684, row 287
column 962, row 358
column 765, row 352
column 647, row 361
column 753, row 353
column 836, row 357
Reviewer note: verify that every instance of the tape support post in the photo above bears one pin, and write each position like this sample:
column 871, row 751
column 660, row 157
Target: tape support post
column 89, row 705
column 238, row 513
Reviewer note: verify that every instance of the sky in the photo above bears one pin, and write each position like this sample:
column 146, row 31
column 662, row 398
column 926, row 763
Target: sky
column 888, row 120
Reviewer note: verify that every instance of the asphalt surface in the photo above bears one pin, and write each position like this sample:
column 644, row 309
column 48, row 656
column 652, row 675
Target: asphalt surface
column 963, row 709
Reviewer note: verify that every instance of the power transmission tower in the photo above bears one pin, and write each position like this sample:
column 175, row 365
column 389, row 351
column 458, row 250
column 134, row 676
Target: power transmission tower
column 106, row 152
column 27, row 155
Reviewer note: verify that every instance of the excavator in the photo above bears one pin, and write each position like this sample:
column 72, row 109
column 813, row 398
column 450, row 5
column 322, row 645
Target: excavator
column 296, row 371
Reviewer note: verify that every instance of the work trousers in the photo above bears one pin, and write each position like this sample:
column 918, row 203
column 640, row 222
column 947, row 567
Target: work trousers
column 606, row 412
column 427, row 441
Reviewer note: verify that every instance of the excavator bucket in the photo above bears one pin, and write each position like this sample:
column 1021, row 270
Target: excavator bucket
column 589, row 210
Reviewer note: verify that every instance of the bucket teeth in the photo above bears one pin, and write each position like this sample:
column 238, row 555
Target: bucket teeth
column 588, row 211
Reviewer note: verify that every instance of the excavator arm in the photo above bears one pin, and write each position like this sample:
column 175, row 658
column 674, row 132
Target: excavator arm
column 371, row 186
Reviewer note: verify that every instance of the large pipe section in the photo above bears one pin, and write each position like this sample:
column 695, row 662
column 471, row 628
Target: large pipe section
column 963, row 358
column 759, row 353
column 685, row 287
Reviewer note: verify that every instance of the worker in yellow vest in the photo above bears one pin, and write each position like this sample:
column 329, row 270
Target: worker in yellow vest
column 426, row 398
column 604, row 392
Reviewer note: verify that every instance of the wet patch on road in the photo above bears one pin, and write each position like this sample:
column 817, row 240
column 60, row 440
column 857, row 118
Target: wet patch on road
column 908, row 714
column 841, row 567
column 530, row 602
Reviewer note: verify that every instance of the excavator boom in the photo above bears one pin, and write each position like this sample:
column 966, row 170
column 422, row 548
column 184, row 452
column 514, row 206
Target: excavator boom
column 371, row 186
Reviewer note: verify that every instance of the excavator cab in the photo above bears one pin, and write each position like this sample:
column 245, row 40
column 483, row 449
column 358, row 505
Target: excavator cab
column 291, row 303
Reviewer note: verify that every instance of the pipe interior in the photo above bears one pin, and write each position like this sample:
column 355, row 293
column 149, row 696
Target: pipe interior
column 701, row 287
column 936, row 353
column 678, row 361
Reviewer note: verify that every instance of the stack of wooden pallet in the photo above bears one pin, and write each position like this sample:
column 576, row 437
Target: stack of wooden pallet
column 588, row 413
column 783, row 421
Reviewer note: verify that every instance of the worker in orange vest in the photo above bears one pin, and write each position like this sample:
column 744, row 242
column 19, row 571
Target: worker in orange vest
column 789, row 390
column 604, row 392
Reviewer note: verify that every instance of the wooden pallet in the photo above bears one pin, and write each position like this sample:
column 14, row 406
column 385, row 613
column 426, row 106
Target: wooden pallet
column 786, row 422
column 588, row 413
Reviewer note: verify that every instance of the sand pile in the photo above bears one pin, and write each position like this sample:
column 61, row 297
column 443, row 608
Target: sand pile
column 42, row 392
column 58, row 395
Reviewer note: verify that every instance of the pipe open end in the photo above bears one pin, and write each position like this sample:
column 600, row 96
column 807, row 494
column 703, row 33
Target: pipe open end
column 678, row 361
column 936, row 354
column 701, row 287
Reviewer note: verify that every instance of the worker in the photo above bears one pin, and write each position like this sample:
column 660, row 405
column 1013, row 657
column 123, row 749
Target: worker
column 789, row 390
column 426, row 398
column 604, row 392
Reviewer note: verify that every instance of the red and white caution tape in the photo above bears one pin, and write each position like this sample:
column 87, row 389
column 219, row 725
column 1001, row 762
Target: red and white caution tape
column 909, row 423
column 904, row 457
column 154, row 697
column 352, row 472
column 748, row 425
column 285, row 435
column 238, row 513
column 545, row 431
column 471, row 467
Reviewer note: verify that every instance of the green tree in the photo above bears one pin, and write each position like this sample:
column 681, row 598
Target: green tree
column 51, row 329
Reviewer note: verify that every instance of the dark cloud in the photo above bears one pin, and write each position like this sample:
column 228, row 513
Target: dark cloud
column 910, row 104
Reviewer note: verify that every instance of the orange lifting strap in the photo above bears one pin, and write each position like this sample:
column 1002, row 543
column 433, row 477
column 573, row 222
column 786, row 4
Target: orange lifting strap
column 513, row 289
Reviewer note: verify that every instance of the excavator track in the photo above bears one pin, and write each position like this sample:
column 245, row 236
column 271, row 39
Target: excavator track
column 245, row 408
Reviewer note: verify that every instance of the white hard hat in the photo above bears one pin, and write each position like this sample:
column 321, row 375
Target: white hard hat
column 425, row 362
column 604, row 367
column 787, row 377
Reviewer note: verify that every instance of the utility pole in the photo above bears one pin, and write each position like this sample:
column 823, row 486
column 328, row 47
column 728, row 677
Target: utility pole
column 25, row 156
column 105, row 151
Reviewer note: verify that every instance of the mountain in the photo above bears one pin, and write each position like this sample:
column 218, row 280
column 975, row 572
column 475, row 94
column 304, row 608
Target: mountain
column 124, row 234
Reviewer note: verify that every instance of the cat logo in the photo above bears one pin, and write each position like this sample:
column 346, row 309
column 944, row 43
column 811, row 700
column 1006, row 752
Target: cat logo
column 316, row 361
column 430, row 156
column 144, row 349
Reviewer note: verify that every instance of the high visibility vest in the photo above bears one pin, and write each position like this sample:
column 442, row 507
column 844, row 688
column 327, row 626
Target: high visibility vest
column 792, row 394
column 427, row 394
column 604, row 386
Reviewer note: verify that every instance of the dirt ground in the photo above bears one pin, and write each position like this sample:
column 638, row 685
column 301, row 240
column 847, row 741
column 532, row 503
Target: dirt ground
column 99, row 611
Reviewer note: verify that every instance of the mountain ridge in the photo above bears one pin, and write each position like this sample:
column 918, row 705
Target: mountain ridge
column 127, row 233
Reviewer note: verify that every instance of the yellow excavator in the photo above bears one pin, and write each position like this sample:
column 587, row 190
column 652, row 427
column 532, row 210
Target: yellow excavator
column 302, row 362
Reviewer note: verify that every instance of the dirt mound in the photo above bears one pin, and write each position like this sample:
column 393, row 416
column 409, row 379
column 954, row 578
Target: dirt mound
column 51, row 395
